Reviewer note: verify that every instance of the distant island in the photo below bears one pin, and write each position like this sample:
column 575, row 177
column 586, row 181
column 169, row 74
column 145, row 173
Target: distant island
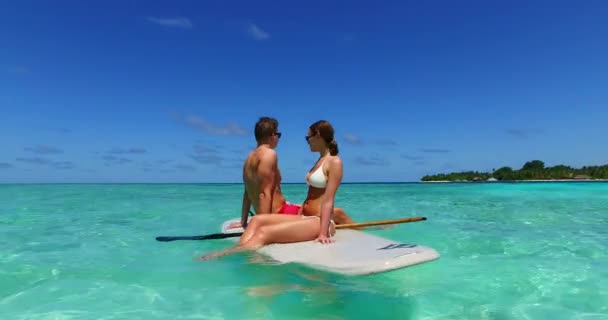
column 534, row 170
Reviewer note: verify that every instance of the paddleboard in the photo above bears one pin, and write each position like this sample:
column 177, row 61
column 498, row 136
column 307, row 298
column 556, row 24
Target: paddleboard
column 354, row 252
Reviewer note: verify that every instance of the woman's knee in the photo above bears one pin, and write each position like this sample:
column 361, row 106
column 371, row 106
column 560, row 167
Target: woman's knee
column 259, row 238
column 264, row 218
column 256, row 220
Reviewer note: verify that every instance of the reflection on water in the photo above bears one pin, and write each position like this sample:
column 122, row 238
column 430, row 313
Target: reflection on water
column 320, row 295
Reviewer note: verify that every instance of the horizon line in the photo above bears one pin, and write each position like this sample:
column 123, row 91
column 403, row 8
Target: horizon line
column 303, row 183
column 283, row 183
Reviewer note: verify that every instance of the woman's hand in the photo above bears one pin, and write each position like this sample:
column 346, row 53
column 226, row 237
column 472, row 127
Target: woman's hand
column 324, row 239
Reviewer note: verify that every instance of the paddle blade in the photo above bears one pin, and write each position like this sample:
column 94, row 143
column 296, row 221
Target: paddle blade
column 203, row 237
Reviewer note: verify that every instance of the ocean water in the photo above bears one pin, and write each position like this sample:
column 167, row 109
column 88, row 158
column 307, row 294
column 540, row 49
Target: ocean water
column 508, row 251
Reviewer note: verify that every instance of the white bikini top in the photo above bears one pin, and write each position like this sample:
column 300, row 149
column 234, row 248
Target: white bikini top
column 317, row 179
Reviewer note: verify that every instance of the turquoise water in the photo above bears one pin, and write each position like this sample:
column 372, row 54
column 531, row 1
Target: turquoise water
column 508, row 251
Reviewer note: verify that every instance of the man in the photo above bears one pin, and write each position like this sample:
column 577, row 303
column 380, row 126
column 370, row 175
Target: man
column 262, row 177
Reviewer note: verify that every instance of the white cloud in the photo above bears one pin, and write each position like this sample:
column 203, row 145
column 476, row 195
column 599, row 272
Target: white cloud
column 433, row 150
column 372, row 161
column 185, row 167
column 523, row 133
column 352, row 139
column 42, row 149
column 18, row 70
column 257, row 33
column 5, row 165
column 177, row 22
column 133, row 150
column 231, row 129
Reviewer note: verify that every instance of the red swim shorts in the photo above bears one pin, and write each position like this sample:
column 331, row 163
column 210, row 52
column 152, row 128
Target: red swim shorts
column 289, row 208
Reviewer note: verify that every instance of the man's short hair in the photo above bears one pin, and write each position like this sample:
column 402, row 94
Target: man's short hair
column 265, row 128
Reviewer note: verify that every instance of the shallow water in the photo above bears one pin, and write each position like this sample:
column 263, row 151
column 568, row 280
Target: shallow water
column 508, row 251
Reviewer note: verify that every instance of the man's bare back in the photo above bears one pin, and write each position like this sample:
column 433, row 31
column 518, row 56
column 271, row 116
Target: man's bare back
column 262, row 180
column 261, row 176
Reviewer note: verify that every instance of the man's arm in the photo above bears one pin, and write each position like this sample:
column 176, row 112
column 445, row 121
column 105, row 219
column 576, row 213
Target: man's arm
column 245, row 209
column 267, row 175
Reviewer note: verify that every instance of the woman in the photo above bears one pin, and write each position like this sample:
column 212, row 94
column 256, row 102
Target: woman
column 315, row 221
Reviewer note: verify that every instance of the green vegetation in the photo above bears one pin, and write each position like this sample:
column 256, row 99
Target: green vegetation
column 531, row 170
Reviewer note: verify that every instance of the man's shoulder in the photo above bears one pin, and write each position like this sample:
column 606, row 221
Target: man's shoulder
column 267, row 154
column 260, row 155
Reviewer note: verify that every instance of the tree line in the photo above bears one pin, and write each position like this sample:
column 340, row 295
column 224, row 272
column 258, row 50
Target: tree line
column 531, row 170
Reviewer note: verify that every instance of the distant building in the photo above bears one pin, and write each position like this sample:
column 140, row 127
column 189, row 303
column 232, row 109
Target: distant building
column 582, row 177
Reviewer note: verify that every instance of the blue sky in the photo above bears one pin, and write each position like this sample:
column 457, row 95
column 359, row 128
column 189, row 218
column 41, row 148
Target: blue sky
column 144, row 91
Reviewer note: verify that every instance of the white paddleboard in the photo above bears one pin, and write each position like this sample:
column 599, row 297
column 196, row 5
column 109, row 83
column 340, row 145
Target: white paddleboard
column 354, row 252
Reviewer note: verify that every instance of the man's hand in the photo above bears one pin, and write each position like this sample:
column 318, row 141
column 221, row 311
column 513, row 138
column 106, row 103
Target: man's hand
column 236, row 224
column 244, row 210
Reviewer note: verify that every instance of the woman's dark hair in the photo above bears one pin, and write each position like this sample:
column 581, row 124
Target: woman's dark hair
column 326, row 131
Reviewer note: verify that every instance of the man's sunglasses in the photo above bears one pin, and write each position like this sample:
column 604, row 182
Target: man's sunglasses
column 278, row 134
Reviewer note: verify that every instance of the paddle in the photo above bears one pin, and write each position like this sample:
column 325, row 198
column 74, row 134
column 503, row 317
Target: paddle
column 340, row 226
column 204, row 237
column 377, row 223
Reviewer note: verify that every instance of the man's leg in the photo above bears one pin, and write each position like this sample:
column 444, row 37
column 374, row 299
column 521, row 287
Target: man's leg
column 340, row 217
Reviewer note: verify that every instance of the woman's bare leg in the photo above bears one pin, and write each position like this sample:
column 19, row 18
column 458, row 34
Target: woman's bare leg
column 263, row 220
column 225, row 252
column 291, row 231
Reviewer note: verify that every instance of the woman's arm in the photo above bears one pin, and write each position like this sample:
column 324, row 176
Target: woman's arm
column 327, row 203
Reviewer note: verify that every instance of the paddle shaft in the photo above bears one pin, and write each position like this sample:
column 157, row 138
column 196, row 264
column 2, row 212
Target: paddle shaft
column 340, row 226
column 377, row 223
column 204, row 237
